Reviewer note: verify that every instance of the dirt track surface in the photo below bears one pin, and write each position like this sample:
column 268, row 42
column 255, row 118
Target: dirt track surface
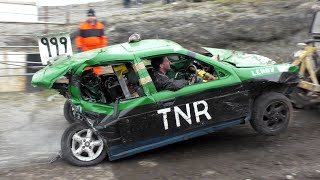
column 32, row 125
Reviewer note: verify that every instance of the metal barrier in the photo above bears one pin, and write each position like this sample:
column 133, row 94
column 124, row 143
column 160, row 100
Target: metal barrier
column 16, row 70
column 18, row 63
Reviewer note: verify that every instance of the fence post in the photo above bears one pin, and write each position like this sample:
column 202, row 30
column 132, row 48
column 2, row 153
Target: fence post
column 32, row 58
column 46, row 9
column 68, row 15
column 5, row 59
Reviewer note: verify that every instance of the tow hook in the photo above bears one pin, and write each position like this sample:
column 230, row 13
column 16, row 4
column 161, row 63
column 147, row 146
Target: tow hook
column 77, row 112
column 55, row 158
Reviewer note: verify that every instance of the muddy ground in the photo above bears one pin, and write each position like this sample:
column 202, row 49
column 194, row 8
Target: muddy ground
column 32, row 125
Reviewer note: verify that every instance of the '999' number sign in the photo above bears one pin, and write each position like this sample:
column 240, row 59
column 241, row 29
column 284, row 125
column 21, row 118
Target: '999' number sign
column 53, row 45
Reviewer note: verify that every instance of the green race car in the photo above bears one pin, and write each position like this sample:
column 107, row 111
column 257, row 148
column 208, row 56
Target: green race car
column 120, row 112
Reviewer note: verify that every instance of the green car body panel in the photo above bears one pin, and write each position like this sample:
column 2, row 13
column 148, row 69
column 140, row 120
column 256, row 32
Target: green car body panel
column 241, row 78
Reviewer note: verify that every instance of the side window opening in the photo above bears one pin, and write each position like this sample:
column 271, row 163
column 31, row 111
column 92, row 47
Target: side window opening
column 221, row 74
column 184, row 67
column 116, row 81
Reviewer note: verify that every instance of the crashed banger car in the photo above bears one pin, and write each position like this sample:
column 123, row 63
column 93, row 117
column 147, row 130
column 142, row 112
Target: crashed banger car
column 120, row 112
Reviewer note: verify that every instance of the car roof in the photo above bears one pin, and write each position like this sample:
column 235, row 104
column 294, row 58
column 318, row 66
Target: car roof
column 143, row 48
column 149, row 44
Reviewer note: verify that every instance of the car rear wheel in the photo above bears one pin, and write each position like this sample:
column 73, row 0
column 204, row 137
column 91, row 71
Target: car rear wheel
column 69, row 113
column 80, row 146
column 271, row 113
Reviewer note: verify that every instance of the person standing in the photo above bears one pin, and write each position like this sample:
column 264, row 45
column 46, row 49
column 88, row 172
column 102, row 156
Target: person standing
column 91, row 35
column 167, row 1
column 126, row 3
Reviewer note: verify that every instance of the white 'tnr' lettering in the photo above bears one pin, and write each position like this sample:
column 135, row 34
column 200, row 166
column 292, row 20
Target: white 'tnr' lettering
column 203, row 112
column 165, row 117
column 187, row 117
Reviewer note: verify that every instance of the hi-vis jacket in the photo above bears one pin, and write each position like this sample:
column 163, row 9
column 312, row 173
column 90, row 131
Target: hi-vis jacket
column 91, row 36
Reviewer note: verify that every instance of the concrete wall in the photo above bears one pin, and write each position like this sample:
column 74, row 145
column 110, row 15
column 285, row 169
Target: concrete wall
column 13, row 11
column 9, row 65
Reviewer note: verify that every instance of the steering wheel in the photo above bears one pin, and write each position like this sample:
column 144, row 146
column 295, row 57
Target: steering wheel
column 193, row 77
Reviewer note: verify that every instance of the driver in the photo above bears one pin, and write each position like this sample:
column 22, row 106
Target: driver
column 161, row 65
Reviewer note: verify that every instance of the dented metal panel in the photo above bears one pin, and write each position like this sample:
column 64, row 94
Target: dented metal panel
column 186, row 112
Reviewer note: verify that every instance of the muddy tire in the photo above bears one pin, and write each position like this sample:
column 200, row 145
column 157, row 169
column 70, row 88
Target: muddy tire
column 271, row 113
column 80, row 146
column 68, row 113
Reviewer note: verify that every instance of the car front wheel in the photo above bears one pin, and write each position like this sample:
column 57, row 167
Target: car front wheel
column 271, row 113
column 80, row 146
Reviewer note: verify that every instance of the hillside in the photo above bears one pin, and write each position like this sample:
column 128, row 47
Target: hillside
column 268, row 27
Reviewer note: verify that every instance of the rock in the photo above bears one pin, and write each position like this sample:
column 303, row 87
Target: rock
column 289, row 177
column 147, row 163
column 208, row 173
column 277, row 163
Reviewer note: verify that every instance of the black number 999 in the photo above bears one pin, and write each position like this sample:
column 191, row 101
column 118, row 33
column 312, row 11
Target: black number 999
column 54, row 41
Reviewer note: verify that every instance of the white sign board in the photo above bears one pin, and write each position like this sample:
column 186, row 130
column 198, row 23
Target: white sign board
column 53, row 45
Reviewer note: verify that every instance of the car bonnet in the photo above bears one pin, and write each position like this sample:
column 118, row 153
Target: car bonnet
column 59, row 67
column 238, row 58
